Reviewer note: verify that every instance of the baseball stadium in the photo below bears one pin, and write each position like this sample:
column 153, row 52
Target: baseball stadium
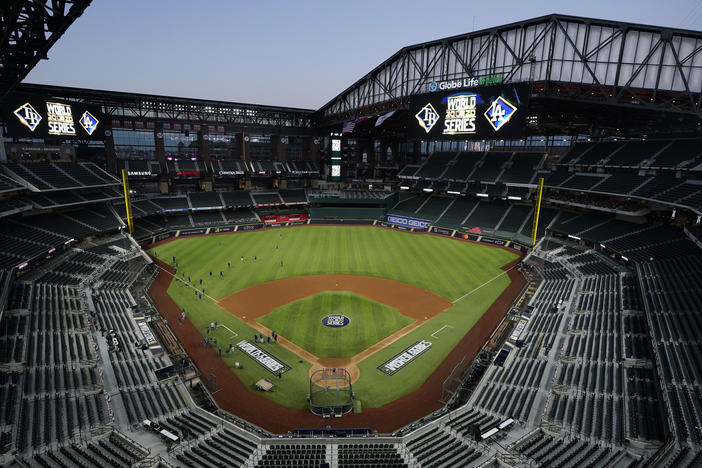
column 485, row 252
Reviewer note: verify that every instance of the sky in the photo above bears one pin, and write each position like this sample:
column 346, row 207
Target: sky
column 297, row 53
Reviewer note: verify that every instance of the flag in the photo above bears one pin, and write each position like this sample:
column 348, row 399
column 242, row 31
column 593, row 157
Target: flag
column 348, row 127
column 383, row 118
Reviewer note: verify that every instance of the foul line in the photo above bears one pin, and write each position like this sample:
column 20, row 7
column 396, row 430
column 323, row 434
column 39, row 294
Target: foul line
column 485, row 283
column 187, row 284
column 235, row 334
column 437, row 331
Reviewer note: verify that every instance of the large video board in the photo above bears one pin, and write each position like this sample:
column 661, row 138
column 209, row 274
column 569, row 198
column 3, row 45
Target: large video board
column 480, row 112
column 39, row 117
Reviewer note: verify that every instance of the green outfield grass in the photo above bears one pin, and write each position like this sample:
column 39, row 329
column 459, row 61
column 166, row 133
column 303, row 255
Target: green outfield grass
column 301, row 323
column 448, row 267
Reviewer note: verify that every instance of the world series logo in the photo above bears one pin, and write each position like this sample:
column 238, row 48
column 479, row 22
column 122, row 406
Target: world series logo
column 335, row 321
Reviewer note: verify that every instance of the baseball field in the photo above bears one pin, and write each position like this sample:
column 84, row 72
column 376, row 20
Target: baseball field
column 336, row 296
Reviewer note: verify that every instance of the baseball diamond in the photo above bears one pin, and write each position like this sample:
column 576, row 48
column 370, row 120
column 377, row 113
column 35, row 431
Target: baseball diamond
column 363, row 274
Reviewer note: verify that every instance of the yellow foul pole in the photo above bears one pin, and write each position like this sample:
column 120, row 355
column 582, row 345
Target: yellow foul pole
column 127, row 201
column 537, row 211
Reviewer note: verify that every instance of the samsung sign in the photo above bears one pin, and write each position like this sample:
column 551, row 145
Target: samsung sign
column 405, row 221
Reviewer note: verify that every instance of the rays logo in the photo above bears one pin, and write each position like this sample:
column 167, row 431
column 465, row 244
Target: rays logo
column 88, row 122
column 433, row 86
column 499, row 112
column 427, row 117
column 28, row 116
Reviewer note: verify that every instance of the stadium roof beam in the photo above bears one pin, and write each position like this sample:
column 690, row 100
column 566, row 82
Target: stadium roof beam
column 28, row 29
column 601, row 61
column 149, row 107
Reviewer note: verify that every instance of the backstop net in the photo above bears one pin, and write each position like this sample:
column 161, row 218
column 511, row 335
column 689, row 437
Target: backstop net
column 331, row 394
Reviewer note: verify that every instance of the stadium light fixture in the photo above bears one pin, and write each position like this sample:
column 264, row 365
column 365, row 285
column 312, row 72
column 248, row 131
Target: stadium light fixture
column 573, row 237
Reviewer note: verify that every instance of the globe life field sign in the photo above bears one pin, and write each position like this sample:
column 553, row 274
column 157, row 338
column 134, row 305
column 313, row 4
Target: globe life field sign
column 469, row 113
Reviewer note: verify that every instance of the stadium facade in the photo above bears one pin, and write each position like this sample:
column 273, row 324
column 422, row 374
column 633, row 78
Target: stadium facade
column 597, row 363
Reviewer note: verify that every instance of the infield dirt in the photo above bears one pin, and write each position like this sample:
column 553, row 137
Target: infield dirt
column 416, row 303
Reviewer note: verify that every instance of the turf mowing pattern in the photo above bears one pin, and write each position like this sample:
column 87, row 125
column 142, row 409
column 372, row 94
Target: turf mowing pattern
column 448, row 267
column 301, row 323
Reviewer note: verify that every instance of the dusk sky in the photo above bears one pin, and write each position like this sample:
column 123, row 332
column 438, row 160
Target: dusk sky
column 291, row 53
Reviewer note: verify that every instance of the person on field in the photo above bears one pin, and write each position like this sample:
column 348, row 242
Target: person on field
column 269, row 339
column 210, row 274
column 242, row 258
column 254, row 258
column 200, row 281
column 221, row 275
column 281, row 264
column 229, row 265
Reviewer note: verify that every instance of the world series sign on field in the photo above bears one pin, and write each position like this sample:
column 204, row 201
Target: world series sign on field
column 405, row 357
column 271, row 363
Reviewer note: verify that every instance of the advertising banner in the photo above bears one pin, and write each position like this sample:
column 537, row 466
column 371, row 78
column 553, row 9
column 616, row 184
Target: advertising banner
column 192, row 232
column 408, row 222
column 270, row 219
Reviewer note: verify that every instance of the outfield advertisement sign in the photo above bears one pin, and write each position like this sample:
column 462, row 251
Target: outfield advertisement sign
column 272, row 219
column 405, row 357
column 408, row 222
column 442, row 231
column 490, row 240
column 249, row 227
column 192, row 232
column 271, row 363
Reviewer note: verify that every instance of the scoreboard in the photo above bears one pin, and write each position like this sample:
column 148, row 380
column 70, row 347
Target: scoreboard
column 31, row 116
column 471, row 113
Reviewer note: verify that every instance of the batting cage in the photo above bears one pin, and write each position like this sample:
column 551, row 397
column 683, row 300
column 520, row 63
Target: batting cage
column 330, row 392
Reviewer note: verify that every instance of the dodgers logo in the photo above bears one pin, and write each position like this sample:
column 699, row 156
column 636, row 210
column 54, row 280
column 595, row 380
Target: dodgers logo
column 499, row 112
column 89, row 122
column 335, row 321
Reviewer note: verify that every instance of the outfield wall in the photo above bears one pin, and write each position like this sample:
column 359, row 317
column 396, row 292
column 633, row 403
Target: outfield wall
column 401, row 226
